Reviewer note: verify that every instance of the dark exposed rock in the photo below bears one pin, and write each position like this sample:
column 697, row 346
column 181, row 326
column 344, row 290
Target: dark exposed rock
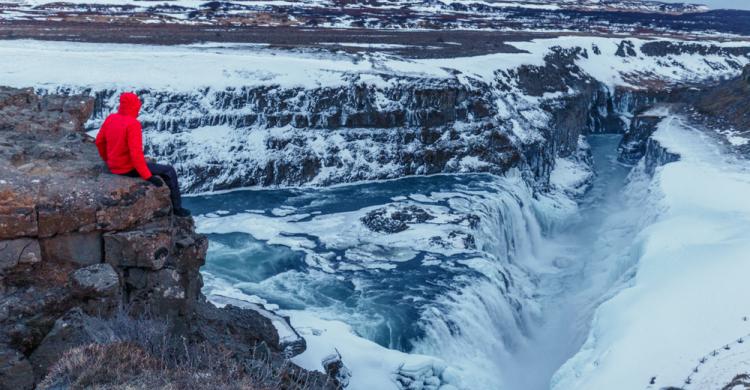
column 335, row 368
column 77, row 242
column 657, row 155
column 19, row 251
column 249, row 325
column 626, row 49
column 726, row 105
column 80, row 248
column 96, row 280
column 740, row 381
column 665, row 48
column 69, row 330
column 395, row 219
column 144, row 249
column 16, row 372
column 633, row 144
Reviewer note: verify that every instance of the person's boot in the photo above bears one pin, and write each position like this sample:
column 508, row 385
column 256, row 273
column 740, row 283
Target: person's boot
column 182, row 212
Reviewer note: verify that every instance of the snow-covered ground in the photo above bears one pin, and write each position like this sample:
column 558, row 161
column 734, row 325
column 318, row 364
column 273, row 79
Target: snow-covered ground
column 683, row 318
column 127, row 67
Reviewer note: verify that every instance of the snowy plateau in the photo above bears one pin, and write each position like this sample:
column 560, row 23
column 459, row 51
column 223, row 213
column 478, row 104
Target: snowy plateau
column 482, row 195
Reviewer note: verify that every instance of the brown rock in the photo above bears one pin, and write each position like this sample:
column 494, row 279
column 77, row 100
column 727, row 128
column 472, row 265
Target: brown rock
column 79, row 107
column 130, row 202
column 17, row 213
column 17, row 97
column 145, row 249
column 76, row 213
column 79, row 248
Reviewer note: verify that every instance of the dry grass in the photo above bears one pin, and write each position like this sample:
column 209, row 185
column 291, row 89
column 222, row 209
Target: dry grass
column 141, row 353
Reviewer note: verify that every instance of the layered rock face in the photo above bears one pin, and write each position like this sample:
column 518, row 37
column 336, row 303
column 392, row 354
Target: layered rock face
column 221, row 139
column 633, row 145
column 381, row 123
column 77, row 242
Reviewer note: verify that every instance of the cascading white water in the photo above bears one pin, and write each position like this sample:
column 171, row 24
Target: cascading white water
column 480, row 325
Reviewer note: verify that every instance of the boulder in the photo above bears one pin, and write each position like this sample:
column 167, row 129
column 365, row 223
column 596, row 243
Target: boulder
column 146, row 249
column 95, row 280
column 130, row 202
column 71, row 330
column 79, row 107
column 394, row 219
column 17, row 212
column 236, row 327
column 20, row 251
column 80, row 248
column 334, row 366
column 71, row 214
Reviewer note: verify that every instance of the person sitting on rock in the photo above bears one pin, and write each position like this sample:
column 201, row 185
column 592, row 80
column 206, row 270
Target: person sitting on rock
column 120, row 144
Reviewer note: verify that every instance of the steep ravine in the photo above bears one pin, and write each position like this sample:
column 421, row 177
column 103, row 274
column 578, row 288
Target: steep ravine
column 394, row 261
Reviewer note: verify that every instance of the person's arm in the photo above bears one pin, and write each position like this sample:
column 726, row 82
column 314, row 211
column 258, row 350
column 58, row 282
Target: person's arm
column 135, row 145
column 101, row 143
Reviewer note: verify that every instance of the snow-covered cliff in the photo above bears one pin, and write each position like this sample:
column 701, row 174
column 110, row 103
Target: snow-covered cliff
column 234, row 116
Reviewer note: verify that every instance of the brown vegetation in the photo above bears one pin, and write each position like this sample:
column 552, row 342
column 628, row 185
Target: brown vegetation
column 142, row 354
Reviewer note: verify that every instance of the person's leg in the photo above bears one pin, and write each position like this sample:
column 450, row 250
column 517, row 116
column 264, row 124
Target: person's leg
column 132, row 173
column 170, row 177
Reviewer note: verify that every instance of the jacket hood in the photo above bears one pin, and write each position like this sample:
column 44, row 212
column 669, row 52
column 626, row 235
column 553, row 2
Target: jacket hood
column 130, row 105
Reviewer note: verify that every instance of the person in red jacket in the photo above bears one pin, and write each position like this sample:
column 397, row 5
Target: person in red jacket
column 120, row 144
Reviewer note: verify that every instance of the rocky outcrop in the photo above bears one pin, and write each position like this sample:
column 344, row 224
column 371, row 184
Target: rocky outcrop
column 665, row 48
column 260, row 136
column 726, row 106
column 657, row 155
column 390, row 219
column 78, row 242
column 634, row 143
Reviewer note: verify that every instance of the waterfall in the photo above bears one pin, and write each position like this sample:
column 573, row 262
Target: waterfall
column 481, row 325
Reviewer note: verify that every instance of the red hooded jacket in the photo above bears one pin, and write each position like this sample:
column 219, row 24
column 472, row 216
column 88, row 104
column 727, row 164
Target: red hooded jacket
column 120, row 140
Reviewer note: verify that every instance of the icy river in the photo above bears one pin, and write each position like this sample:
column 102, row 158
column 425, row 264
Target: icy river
column 478, row 281
column 474, row 270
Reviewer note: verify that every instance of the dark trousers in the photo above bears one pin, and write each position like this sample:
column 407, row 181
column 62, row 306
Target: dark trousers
column 169, row 175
